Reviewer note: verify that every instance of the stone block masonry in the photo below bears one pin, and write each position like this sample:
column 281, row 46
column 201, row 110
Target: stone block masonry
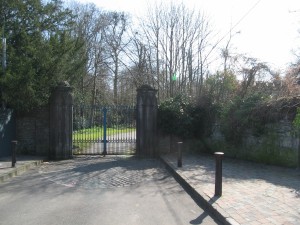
column 32, row 132
column 47, row 131
column 278, row 138
column 7, row 131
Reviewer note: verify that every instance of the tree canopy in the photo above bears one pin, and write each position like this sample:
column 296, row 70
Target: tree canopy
column 41, row 51
column 105, row 56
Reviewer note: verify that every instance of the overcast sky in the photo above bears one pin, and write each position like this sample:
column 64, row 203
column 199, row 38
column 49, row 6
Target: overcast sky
column 268, row 29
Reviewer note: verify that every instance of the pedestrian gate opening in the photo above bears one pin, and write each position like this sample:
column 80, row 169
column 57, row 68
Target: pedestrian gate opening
column 107, row 130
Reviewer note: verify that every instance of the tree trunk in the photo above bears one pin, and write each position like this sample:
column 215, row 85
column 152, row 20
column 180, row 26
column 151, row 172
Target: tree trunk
column 116, row 81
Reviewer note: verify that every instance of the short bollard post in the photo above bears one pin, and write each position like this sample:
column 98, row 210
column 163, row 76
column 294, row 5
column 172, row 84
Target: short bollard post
column 179, row 154
column 218, row 179
column 13, row 155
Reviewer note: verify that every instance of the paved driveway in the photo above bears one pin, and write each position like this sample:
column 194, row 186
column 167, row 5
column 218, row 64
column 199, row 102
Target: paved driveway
column 95, row 190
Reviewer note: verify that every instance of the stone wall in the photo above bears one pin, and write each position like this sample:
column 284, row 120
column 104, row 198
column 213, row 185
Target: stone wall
column 32, row 132
column 7, row 131
column 279, row 144
column 167, row 143
column 48, row 131
column 287, row 138
column 281, row 133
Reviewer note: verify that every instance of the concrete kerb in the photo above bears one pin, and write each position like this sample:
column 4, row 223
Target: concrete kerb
column 18, row 170
column 199, row 197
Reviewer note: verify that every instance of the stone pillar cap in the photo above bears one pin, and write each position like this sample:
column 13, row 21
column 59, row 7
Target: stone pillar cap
column 63, row 84
column 219, row 153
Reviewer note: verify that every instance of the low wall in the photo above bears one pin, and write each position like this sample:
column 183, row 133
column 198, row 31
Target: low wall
column 7, row 131
column 282, row 134
column 279, row 144
column 32, row 132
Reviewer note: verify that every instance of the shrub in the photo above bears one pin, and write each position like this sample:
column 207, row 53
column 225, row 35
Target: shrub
column 236, row 117
column 182, row 117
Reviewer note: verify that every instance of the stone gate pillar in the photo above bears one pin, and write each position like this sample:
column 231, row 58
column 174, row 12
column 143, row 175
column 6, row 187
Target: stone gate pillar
column 61, row 102
column 146, row 129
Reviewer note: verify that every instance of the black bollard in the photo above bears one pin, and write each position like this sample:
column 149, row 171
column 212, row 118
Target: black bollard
column 13, row 155
column 218, row 179
column 179, row 154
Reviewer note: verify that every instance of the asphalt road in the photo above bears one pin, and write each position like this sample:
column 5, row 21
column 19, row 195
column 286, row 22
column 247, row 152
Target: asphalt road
column 94, row 190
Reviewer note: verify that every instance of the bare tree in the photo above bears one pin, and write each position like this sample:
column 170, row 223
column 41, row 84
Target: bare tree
column 115, row 40
column 139, row 66
column 251, row 70
column 151, row 29
column 90, row 25
column 180, row 39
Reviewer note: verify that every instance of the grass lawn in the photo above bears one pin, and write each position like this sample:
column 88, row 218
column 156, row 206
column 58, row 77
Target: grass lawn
column 83, row 139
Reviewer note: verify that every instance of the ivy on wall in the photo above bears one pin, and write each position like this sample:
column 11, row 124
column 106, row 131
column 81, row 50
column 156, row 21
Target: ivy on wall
column 185, row 118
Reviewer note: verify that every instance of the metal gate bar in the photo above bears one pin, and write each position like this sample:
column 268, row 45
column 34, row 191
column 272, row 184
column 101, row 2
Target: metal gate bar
column 104, row 129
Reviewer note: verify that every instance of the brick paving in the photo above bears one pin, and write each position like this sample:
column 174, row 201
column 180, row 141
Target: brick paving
column 252, row 193
column 94, row 172
column 88, row 171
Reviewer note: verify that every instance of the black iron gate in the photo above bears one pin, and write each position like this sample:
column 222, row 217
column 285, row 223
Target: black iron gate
column 104, row 130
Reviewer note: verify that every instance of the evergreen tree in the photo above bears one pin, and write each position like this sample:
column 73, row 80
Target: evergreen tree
column 41, row 51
